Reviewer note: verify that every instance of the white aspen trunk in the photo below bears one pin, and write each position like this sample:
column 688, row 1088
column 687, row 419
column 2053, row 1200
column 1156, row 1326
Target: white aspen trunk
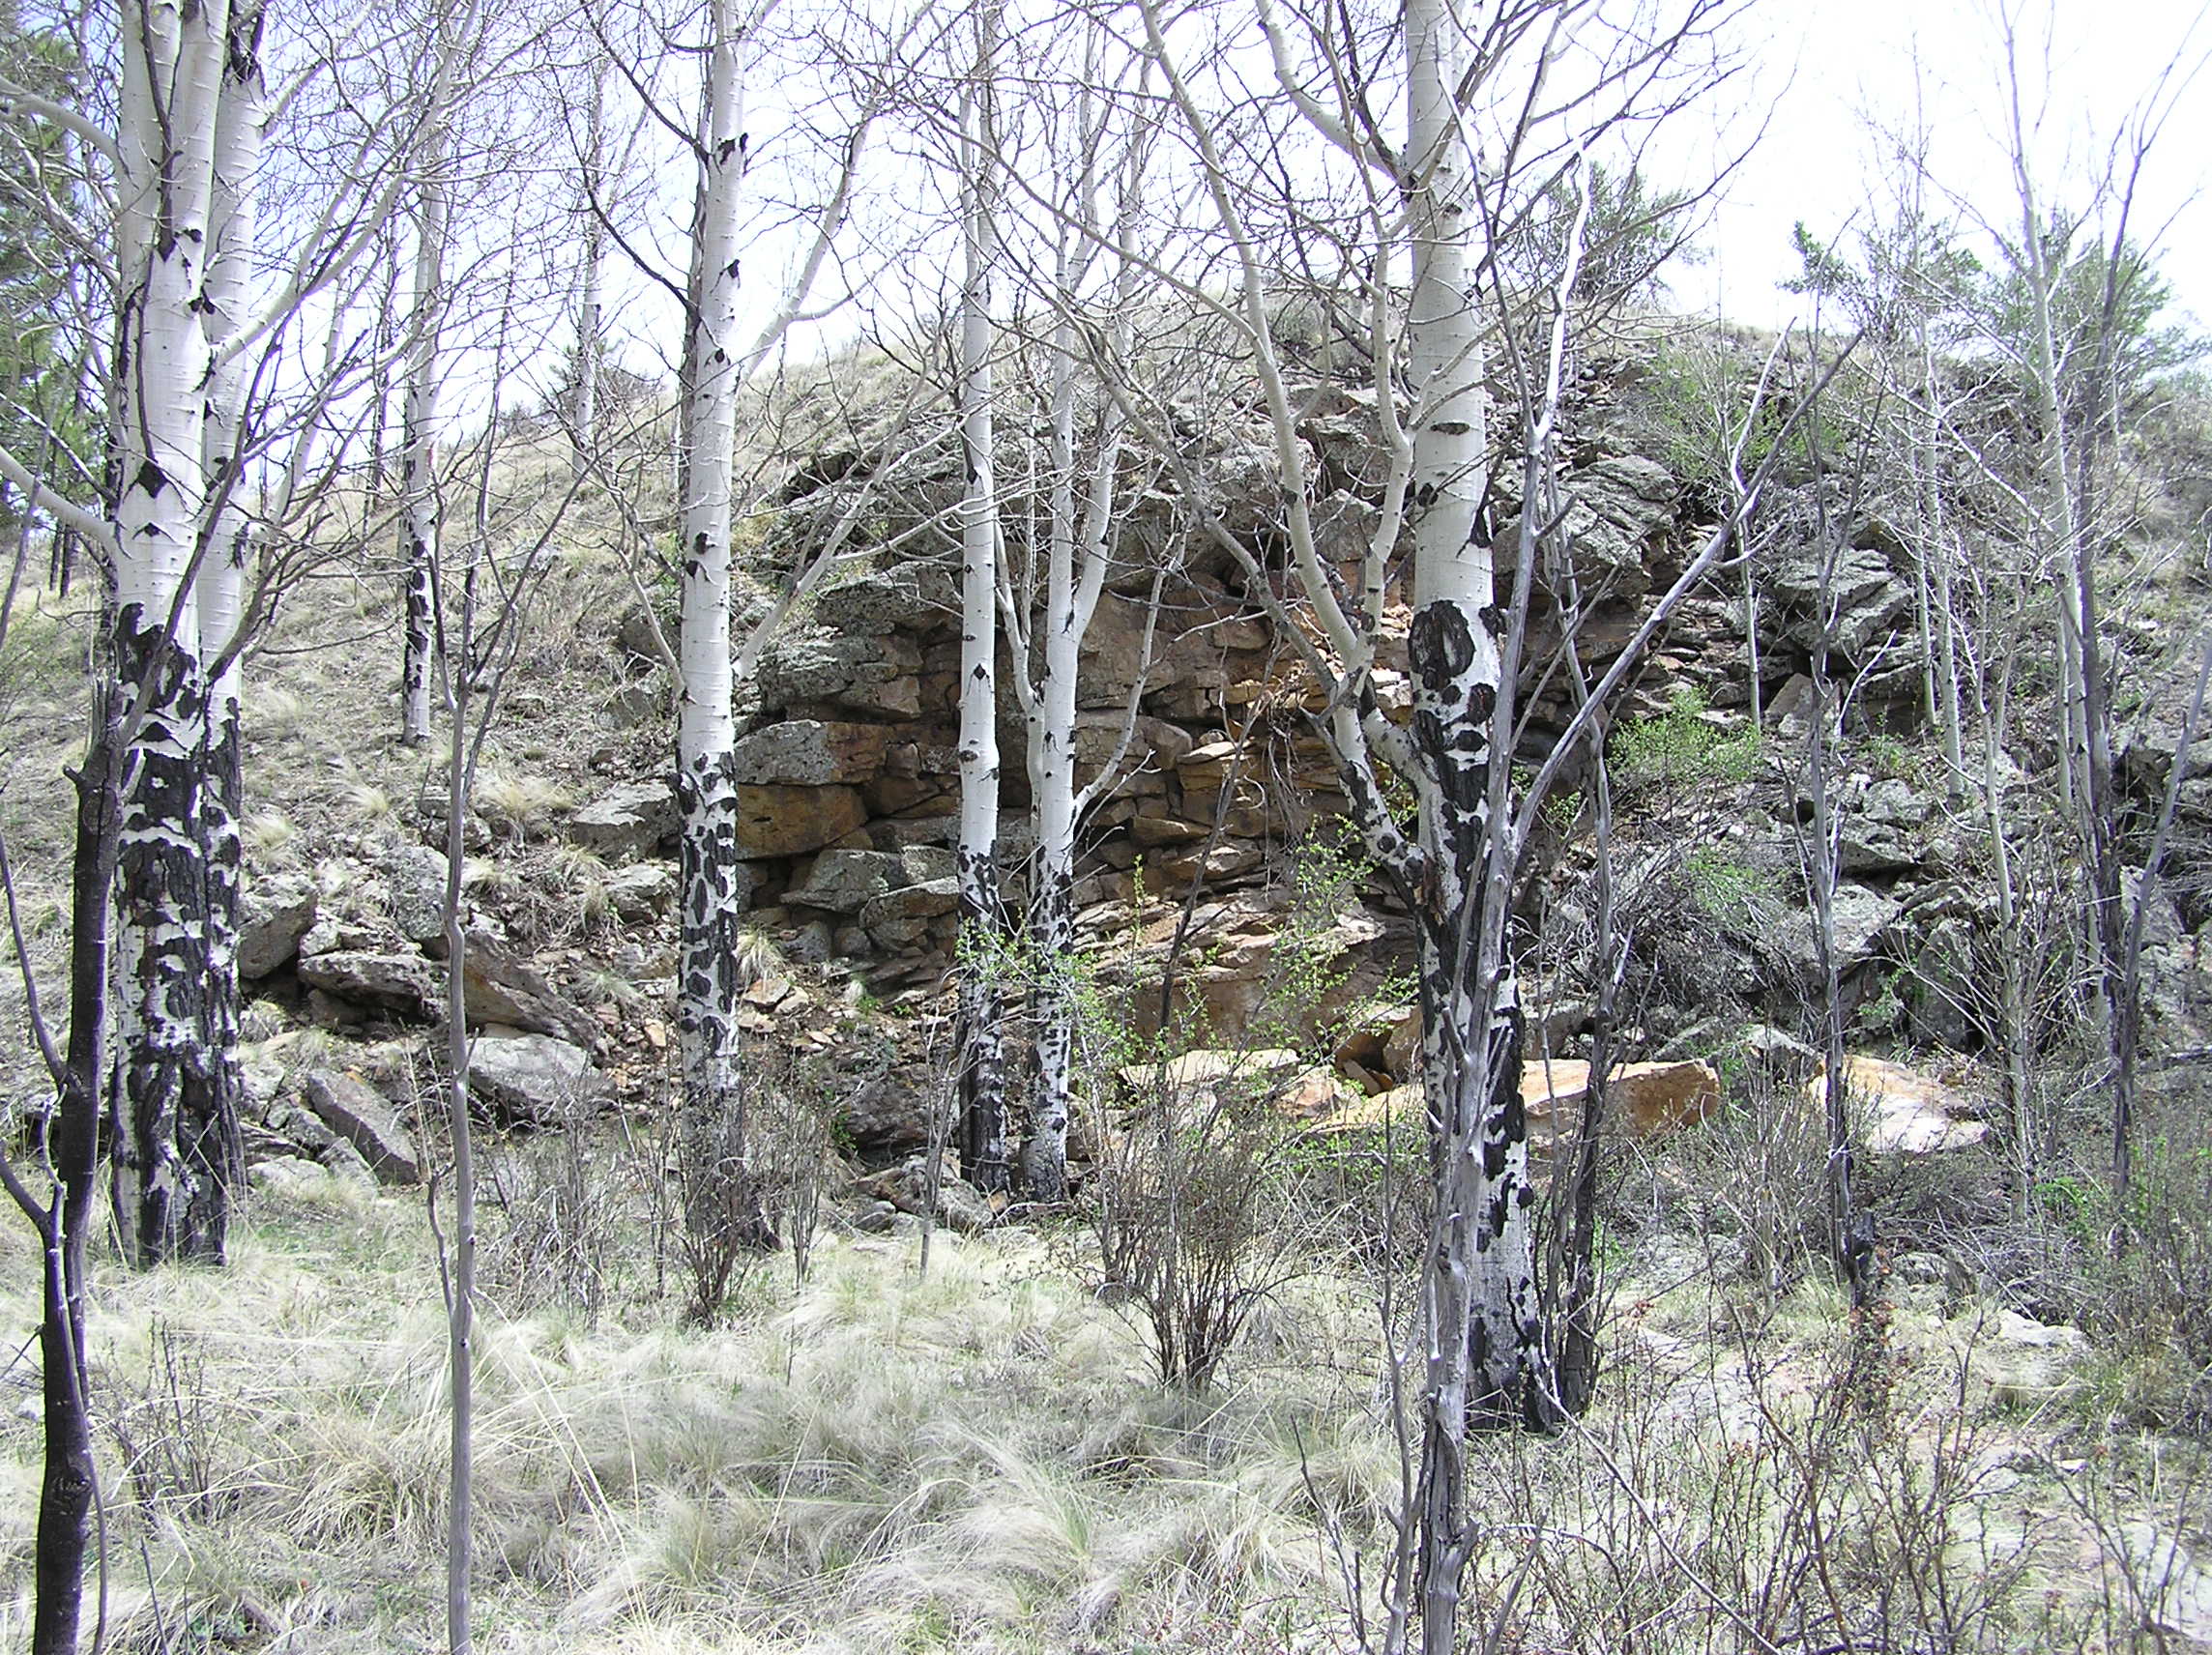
column 1071, row 598
column 420, row 510
column 1480, row 1303
column 706, row 786
column 982, row 1104
column 174, row 71
column 209, row 1121
column 583, row 413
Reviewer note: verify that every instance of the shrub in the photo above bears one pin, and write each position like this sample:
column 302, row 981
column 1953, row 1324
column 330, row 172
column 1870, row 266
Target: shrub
column 1679, row 750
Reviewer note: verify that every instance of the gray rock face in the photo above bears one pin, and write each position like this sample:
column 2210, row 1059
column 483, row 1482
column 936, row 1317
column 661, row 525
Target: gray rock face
column 874, row 677
column 632, row 821
column 404, row 983
column 416, row 876
column 1792, row 947
column 844, row 882
column 1943, row 992
column 532, row 1079
column 1885, row 829
column 274, row 911
column 360, row 1114
column 881, row 604
column 811, row 752
column 1866, row 596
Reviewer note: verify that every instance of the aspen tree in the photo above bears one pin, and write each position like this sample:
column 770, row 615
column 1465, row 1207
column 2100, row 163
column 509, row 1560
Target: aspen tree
column 983, row 1129
column 712, row 876
column 419, row 509
column 1081, row 503
column 169, row 1192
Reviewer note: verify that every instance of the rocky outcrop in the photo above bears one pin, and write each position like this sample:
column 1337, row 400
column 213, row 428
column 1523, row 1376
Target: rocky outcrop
column 274, row 911
column 637, row 819
column 533, row 1080
column 360, row 1115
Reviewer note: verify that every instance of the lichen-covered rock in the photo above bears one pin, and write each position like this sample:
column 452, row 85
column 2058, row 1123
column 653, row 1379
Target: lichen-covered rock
column 864, row 674
column 533, row 1079
column 844, row 882
column 643, row 890
column 1859, row 588
column 274, row 911
column 416, row 877
column 811, row 752
column 404, row 983
column 631, row 821
column 499, row 986
column 364, row 1117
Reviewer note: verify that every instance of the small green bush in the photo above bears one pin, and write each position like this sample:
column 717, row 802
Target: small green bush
column 1679, row 750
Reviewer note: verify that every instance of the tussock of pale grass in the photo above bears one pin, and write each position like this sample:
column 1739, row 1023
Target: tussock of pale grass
column 890, row 1460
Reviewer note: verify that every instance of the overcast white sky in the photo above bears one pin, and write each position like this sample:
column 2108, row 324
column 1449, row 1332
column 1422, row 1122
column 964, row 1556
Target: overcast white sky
column 1822, row 66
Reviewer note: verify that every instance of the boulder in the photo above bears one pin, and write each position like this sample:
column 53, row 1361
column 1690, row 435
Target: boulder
column 883, row 602
column 291, row 1178
column 360, row 1115
column 844, row 882
column 642, row 635
column 960, row 1206
column 811, row 752
column 1615, row 506
column 1944, row 990
column 2172, row 1586
column 407, row 984
column 633, row 820
column 2023, row 1362
column 499, row 986
column 641, row 891
column 416, row 876
column 928, row 900
column 778, row 821
column 1313, row 1094
column 1643, row 1100
column 274, row 911
column 1901, row 1110
column 2145, row 746
column 1203, row 1078
column 885, row 1111
column 532, row 1079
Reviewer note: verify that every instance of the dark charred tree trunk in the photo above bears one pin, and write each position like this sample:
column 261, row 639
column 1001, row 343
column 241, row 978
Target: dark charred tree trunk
column 69, row 1143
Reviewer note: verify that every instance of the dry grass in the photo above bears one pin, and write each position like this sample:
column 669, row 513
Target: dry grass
column 973, row 1458
column 980, row 1459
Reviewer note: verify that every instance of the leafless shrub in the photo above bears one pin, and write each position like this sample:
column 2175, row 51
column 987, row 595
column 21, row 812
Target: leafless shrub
column 1185, row 1203
column 165, row 1430
column 562, row 1210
